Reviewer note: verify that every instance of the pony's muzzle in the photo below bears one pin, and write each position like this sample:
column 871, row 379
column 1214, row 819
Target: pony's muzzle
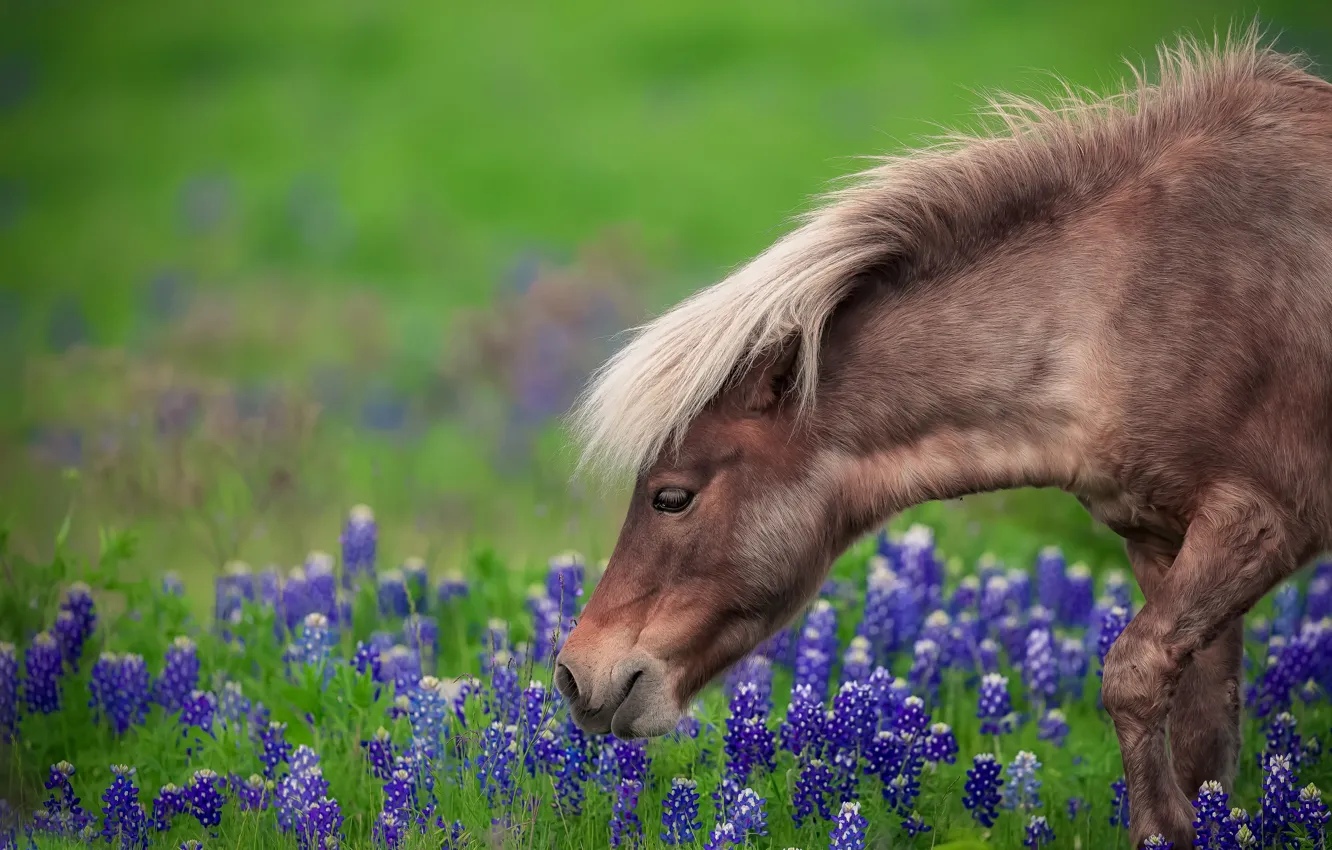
column 632, row 701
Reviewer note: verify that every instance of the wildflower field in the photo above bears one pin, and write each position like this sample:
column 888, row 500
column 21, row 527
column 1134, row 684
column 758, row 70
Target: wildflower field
column 919, row 702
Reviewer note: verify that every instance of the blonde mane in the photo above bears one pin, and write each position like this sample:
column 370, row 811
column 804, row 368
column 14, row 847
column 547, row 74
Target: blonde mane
column 924, row 207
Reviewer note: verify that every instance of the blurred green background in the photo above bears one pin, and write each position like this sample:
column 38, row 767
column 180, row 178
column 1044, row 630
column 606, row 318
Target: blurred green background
column 262, row 261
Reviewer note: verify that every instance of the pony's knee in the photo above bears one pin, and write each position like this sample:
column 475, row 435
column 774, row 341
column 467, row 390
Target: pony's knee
column 1139, row 683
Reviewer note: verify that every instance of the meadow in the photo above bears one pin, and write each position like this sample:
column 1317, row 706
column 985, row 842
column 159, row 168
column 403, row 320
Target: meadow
column 918, row 702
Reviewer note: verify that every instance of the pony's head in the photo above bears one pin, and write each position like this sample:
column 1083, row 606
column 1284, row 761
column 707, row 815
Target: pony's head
column 725, row 538
column 733, row 518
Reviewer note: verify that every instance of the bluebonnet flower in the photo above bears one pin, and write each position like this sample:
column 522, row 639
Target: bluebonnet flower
column 876, row 623
column 169, row 802
column 547, row 624
column 255, row 794
column 1119, row 806
column 191, row 844
column 366, row 658
column 1289, row 665
column 1113, row 623
column 62, row 813
column 123, row 820
column 232, row 590
column 379, row 754
column 573, row 771
column 995, row 707
column 754, row 669
column 625, row 826
column 233, row 705
column 75, row 622
column 428, row 710
column 9, row 696
column 987, row 656
column 966, row 596
column 204, row 795
column 1072, row 657
column 564, row 582
column 451, row 586
column 848, row 832
column 1013, row 637
column 322, row 585
column 400, row 666
column 1209, row 822
column 360, row 538
column 300, row 789
column 1318, row 601
column 631, row 761
column 400, row 793
column 679, row 813
column 1239, row 825
column 275, row 749
column 1283, row 738
column 1039, row 834
column 171, row 584
column 813, row 667
column 1050, row 581
column 1079, row 596
column 120, row 690
column 857, row 661
column 940, row 744
column 1040, row 618
column 494, row 765
column 314, row 644
column 1019, row 588
column 1157, row 842
column 41, row 667
column 851, row 723
column 1279, row 796
column 995, row 601
column 936, row 628
column 1313, row 814
column 925, row 673
column 197, row 713
column 748, row 816
column 297, row 600
column 722, row 834
column 180, row 675
column 503, row 696
column 1287, row 609
column 1116, row 586
column 812, row 791
column 391, row 589
column 1053, row 727
column 1040, row 673
column 1074, row 807
column 321, row 826
column 914, row 825
column 1023, row 789
column 389, row 829
column 804, row 721
column 421, row 633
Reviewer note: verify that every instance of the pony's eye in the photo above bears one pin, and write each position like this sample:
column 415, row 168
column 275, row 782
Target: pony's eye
column 672, row 500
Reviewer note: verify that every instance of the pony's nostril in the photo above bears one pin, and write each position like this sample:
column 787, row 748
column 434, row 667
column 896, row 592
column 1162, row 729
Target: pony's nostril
column 565, row 682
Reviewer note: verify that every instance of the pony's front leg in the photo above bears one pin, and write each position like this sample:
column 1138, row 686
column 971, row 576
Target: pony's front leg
column 1204, row 724
column 1234, row 552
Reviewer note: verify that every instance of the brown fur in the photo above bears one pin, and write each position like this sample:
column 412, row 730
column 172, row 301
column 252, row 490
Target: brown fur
column 1132, row 302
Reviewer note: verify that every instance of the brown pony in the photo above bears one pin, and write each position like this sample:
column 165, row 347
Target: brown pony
column 1129, row 299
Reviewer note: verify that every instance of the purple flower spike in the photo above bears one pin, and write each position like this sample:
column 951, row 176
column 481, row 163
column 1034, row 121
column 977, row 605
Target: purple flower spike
column 42, row 667
column 679, row 812
column 360, row 538
column 1209, row 820
column 1313, row 814
column 255, row 794
column 1119, row 806
column 9, row 696
column 625, row 826
column 120, row 690
column 1023, row 789
column 169, row 802
column 62, row 815
column 75, row 622
column 848, row 832
column 1158, row 842
column 995, row 708
column 1279, row 797
column 1039, row 834
column 1113, row 622
column 812, row 791
column 1053, row 727
column 204, row 795
column 982, row 789
column 180, row 675
column 123, row 822
column 275, row 748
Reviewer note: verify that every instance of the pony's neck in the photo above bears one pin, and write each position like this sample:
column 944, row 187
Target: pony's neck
column 969, row 381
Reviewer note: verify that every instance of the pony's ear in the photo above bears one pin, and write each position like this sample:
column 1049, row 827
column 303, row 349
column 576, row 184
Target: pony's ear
column 770, row 376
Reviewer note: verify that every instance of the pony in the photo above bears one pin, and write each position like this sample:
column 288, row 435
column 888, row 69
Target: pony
column 1128, row 298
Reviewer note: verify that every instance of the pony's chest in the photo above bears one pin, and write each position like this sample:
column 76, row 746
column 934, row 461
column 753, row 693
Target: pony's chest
column 1135, row 517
